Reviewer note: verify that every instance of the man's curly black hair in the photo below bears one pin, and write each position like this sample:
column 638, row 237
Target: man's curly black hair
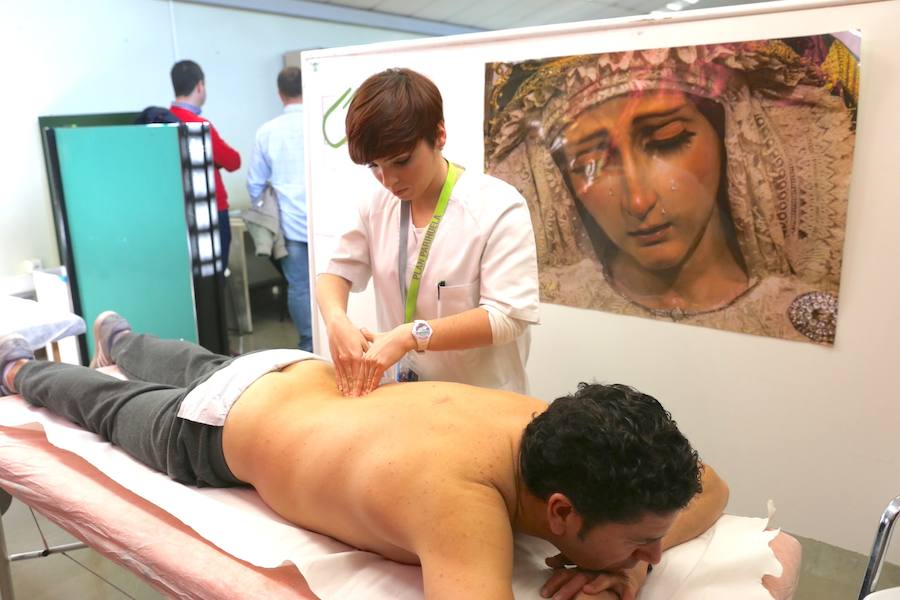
column 614, row 452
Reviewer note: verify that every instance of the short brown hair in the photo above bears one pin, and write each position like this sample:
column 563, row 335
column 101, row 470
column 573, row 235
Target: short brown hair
column 290, row 82
column 185, row 74
column 390, row 112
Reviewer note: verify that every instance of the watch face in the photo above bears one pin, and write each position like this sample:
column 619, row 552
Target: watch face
column 422, row 333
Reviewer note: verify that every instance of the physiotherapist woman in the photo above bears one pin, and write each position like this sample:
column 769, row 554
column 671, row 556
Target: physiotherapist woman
column 450, row 252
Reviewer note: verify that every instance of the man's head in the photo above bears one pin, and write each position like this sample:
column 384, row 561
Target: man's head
column 391, row 113
column 613, row 470
column 290, row 84
column 188, row 81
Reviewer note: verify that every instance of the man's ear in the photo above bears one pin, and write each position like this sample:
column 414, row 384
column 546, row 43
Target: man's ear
column 561, row 515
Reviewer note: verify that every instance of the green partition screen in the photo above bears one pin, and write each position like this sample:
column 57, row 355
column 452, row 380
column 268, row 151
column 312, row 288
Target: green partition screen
column 125, row 210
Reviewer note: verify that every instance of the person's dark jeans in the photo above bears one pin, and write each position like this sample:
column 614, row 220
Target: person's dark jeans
column 225, row 236
column 295, row 267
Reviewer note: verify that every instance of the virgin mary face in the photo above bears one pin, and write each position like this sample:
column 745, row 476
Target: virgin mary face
column 647, row 169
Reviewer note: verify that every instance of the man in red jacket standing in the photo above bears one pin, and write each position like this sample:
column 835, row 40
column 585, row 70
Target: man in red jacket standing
column 190, row 95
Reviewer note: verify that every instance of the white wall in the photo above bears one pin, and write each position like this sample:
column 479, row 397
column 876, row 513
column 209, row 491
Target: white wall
column 100, row 56
column 814, row 428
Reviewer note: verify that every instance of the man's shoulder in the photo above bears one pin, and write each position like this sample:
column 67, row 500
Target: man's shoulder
column 278, row 124
column 187, row 116
column 269, row 126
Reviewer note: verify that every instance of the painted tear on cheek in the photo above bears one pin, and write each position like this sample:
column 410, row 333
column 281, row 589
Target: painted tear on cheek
column 589, row 175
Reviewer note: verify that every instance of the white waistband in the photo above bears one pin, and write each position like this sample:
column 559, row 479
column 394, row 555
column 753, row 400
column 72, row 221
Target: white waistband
column 210, row 401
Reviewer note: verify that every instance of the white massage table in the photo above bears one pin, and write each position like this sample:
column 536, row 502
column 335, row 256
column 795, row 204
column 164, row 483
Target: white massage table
column 171, row 556
column 129, row 530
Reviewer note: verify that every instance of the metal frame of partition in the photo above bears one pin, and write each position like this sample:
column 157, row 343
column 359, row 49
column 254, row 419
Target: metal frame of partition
column 54, row 180
column 202, row 215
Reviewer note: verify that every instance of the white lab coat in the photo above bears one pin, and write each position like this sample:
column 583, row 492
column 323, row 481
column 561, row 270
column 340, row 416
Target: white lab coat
column 483, row 252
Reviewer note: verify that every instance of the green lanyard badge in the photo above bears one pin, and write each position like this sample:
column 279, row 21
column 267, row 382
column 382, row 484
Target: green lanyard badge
column 412, row 293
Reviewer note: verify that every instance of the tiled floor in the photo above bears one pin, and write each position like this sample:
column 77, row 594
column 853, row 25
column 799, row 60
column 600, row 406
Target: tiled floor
column 272, row 326
column 828, row 573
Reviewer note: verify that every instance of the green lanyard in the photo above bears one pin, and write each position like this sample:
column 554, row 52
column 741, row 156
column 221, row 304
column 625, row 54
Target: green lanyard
column 412, row 294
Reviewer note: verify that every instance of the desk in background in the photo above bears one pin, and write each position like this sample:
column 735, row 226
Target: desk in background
column 238, row 279
column 248, row 271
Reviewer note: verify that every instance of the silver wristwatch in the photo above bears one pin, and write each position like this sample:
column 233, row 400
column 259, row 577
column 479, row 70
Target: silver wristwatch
column 421, row 330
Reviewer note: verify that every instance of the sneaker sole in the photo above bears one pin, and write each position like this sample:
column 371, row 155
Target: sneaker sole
column 100, row 359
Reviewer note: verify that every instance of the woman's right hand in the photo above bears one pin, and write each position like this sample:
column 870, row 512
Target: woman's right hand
column 347, row 346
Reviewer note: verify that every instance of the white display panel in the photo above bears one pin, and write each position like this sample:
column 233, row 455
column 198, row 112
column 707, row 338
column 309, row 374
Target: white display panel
column 807, row 426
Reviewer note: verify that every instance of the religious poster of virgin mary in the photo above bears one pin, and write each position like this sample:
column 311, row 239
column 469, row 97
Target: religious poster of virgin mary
column 705, row 185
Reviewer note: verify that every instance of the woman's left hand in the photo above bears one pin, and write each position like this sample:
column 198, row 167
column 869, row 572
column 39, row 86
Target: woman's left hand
column 385, row 350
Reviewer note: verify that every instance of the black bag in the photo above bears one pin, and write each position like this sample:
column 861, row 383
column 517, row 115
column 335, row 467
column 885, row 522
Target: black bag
column 156, row 114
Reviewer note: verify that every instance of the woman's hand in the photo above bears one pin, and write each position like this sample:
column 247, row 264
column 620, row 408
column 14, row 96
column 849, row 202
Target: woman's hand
column 347, row 346
column 346, row 342
column 385, row 350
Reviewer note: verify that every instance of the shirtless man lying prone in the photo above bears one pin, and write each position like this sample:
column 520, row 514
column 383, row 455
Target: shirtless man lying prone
column 439, row 474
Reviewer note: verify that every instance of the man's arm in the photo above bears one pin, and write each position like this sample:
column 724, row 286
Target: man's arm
column 702, row 511
column 259, row 172
column 224, row 155
column 466, row 547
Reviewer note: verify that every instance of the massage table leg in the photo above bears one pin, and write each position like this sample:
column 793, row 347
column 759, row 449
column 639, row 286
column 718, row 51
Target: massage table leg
column 6, row 582
column 6, row 586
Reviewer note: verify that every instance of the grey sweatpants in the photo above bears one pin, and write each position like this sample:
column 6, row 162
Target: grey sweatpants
column 139, row 415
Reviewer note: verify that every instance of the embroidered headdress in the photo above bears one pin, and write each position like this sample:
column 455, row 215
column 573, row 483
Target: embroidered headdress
column 788, row 140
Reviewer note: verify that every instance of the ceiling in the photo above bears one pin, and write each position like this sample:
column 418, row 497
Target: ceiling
column 505, row 14
column 444, row 17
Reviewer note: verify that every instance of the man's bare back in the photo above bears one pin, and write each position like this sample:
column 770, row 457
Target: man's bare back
column 383, row 472
column 435, row 473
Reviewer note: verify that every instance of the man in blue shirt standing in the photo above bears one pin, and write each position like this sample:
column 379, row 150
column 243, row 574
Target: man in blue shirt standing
column 278, row 161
